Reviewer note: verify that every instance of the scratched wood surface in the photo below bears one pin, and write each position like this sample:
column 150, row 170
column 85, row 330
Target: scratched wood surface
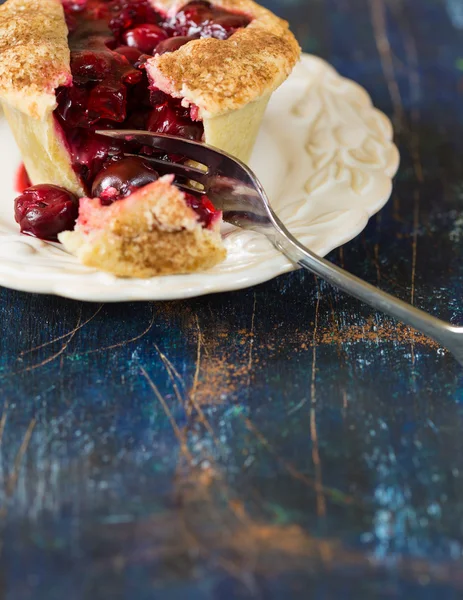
column 279, row 442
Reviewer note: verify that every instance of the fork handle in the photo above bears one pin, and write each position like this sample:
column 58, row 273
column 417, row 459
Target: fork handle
column 444, row 333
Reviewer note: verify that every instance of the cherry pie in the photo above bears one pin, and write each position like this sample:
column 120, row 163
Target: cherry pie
column 200, row 70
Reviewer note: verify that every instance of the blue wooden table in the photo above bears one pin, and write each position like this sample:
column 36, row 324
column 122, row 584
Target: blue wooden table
column 279, row 442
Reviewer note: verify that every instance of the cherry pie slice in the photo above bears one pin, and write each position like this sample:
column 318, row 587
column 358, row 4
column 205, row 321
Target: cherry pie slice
column 200, row 70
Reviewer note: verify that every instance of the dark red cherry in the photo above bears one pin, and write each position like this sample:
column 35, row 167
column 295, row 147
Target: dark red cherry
column 203, row 207
column 128, row 13
column 198, row 10
column 138, row 119
column 145, row 37
column 90, row 153
column 158, row 97
column 46, row 210
column 131, row 54
column 231, row 21
column 87, row 65
column 222, row 27
column 108, row 100
column 72, row 104
column 164, row 119
column 173, row 44
column 99, row 90
column 119, row 179
column 71, row 21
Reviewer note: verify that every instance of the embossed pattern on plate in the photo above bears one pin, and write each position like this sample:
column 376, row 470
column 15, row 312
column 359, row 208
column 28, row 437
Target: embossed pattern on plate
column 325, row 156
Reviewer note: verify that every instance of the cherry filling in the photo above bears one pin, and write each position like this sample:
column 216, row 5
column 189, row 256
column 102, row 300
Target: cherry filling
column 204, row 209
column 110, row 42
column 22, row 181
column 122, row 177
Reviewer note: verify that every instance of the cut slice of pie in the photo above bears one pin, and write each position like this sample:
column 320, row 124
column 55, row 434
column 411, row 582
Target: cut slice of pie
column 200, row 70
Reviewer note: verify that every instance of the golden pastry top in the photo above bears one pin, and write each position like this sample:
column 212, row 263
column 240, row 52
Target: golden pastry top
column 34, row 54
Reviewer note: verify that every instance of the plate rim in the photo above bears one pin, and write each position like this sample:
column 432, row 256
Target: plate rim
column 257, row 274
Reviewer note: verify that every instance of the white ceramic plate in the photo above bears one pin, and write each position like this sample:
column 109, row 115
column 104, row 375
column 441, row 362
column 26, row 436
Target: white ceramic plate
column 324, row 155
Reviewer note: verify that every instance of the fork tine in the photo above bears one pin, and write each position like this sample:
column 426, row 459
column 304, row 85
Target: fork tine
column 176, row 168
column 189, row 190
column 225, row 171
column 196, row 151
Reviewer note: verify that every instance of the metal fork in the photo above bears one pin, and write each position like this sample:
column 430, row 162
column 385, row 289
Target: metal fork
column 234, row 189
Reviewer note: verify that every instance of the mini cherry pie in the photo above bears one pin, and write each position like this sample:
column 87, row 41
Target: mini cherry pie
column 200, row 70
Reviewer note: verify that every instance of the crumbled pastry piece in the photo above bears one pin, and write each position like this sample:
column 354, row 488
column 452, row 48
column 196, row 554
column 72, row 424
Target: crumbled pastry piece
column 151, row 232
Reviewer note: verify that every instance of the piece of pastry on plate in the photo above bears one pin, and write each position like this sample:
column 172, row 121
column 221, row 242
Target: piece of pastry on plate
column 200, row 70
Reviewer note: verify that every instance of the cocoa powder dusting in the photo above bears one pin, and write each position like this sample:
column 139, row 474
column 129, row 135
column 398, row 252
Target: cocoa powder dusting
column 224, row 367
column 376, row 333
